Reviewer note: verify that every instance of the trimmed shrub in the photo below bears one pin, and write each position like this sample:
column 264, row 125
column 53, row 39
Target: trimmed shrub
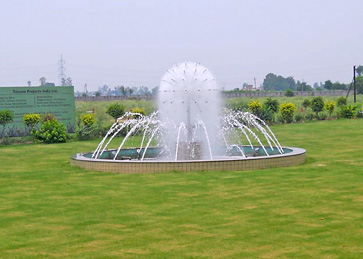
column 86, row 129
column 88, row 119
column 287, row 111
column 31, row 120
column 5, row 117
column 317, row 105
column 255, row 107
column 115, row 110
column 51, row 131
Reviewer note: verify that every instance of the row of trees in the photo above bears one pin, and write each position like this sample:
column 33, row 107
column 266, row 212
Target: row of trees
column 274, row 82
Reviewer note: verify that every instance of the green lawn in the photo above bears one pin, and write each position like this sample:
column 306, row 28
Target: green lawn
column 49, row 209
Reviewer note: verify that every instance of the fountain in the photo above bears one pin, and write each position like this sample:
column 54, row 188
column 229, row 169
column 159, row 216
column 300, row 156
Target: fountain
column 190, row 132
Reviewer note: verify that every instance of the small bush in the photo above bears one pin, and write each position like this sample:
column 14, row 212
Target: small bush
column 88, row 119
column 287, row 111
column 271, row 104
column 267, row 116
column 342, row 101
column 255, row 107
column 306, row 103
column 322, row 117
column 138, row 110
column 289, row 92
column 86, row 129
column 115, row 110
column 317, row 105
column 330, row 106
column 299, row 117
column 5, row 117
column 360, row 114
column 348, row 111
column 31, row 120
column 51, row 131
column 280, row 119
column 309, row 117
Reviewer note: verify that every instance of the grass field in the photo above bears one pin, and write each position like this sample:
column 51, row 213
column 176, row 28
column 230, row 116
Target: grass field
column 49, row 209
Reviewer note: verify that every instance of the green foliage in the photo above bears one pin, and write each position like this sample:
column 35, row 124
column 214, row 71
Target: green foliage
column 341, row 101
column 330, row 106
column 273, row 82
column 309, row 117
column 271, row 104
column 115, row 110
column 141, row 111
column 238, row 104
column 359, row 84
column 51, row 131
column 306, row 103
column 287, row 111
column 359, row 70
column 86, row 128
column 48, row 117
column 317, row 105
column 322, row 117
column 348, row 111
column 267, row 115
column 299, row 117
column 255, row 107
column 88, row 119
column 289, row 93
column 31, row 119
column 5, row 117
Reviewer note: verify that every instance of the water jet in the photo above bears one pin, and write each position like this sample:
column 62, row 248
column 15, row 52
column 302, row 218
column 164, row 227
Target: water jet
column 190, row 132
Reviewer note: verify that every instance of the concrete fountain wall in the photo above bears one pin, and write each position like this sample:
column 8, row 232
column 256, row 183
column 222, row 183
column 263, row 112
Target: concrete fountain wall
column 296, row 156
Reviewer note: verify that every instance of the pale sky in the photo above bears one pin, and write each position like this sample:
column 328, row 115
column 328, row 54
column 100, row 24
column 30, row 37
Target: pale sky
column 132, row 43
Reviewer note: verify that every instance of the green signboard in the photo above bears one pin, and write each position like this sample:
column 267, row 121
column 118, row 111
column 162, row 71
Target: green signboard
column 58, row 101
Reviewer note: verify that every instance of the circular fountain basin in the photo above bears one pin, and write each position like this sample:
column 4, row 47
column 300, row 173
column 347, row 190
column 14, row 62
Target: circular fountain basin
column 128, row 161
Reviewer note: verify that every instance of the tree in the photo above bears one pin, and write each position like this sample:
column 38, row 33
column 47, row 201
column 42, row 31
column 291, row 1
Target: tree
column 317, row 105
column 289, row 92
column 359, row 70
column 359, row 84
column 98, row 93
column 273, row 82
column 328, row 85
column 49, row 84
column 115, row 110
column 69, row 81
column 5, row 117
column 304, row 87
column 29, row 83
column 63, row 82
column 42, row 81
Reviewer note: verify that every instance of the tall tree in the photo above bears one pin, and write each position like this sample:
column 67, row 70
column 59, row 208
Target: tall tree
column 359, row 70
column 42, row 81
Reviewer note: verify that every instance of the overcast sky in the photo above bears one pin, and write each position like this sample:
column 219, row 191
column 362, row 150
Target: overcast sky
column 132, row 43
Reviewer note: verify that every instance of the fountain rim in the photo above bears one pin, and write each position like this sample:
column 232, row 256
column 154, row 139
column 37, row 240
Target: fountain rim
column 295, row 151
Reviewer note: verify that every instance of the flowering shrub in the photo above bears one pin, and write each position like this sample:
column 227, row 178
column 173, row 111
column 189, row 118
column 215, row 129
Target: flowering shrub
column 287, row 111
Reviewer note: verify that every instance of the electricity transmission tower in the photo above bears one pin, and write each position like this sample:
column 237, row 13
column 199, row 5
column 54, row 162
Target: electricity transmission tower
column 62, row 71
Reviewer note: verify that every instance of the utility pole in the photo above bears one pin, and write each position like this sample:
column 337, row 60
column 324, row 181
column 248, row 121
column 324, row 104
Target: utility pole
column 62, row 71
column 355, row 90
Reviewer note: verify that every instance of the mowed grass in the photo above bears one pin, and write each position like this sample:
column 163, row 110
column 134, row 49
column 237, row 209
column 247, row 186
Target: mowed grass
column 50, row 209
